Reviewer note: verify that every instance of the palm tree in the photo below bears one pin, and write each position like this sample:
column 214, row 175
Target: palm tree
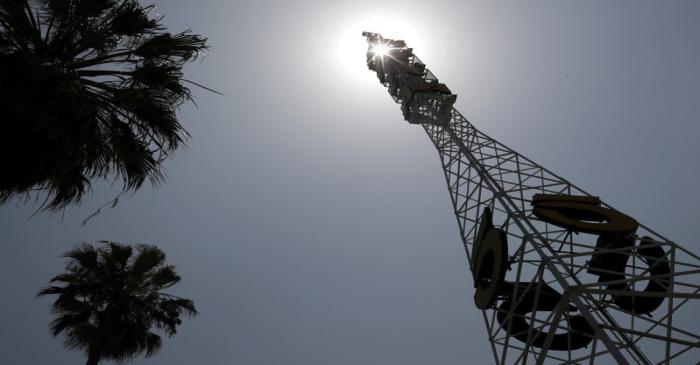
column 88, row 90
column 110, row 301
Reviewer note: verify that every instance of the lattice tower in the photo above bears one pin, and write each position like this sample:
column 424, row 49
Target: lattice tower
column 560, row 276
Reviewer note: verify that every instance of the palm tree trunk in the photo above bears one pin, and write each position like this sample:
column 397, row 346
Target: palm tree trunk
column 93, row 357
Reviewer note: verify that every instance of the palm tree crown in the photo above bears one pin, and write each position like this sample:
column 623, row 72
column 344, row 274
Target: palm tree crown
column 110, row 301
column 88, row 89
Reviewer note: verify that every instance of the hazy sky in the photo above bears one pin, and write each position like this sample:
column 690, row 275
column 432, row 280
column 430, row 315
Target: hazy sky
column 312, row 225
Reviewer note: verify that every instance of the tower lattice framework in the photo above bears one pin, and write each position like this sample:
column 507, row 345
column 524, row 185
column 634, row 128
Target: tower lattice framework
column 560, row 276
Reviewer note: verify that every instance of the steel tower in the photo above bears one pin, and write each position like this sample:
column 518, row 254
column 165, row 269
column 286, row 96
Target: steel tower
column 560, row 276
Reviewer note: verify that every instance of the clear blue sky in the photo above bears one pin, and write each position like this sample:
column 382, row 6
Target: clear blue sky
column 312, row 225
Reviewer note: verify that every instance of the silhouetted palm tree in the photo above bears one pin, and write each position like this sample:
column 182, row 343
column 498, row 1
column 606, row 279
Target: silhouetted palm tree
column 110, row 300
column 88, row 89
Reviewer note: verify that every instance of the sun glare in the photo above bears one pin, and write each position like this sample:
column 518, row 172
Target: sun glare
column 381, row 50
column 351, row 47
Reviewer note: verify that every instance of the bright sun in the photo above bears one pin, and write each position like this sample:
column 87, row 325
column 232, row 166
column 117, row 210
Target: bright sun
column 351, row 47
column 381, row 50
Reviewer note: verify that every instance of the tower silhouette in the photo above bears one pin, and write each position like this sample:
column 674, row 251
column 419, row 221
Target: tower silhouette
column 560, row 276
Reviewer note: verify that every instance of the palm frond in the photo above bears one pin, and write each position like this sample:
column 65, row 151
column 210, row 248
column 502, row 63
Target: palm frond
column 152, row 344
column 178, row 47
column 132, row 20
column 88, row 89
column 67, row 322
column 116, row 255
column 109, row 300
column 148, row 258
column 164, row 277
column 84, row 255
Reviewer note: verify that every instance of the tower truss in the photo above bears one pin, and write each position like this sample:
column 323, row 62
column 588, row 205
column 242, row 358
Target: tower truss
column 559, row 276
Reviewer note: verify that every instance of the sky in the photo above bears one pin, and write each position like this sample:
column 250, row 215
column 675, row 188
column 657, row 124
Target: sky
column 312, row 225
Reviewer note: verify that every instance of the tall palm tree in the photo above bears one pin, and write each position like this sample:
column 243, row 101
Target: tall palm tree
column 110, row 301
column 88, row 90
